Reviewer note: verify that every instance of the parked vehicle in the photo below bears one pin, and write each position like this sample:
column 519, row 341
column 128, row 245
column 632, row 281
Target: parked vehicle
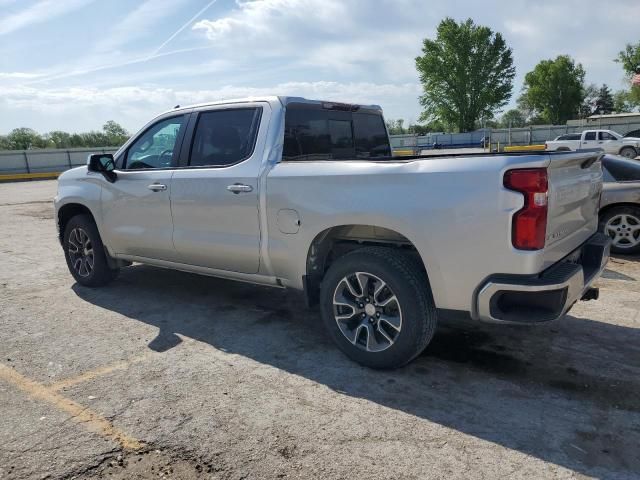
column 568, row 136
column 607, row 140
column 620, row 203
column 633, row 133
column 303, row 194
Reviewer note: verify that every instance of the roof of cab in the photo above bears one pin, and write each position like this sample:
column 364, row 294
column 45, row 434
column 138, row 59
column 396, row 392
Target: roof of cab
column 283, row 100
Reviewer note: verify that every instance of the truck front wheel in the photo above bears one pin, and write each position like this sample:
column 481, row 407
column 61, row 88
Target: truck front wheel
column 85, row 254
column 377, row 306
column 629, row 152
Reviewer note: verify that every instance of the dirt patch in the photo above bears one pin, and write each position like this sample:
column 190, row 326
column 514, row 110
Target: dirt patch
column 152, row 464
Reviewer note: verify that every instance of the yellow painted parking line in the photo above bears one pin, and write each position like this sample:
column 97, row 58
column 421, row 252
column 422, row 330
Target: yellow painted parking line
column 82, row 415
column 96, row 372
column 26, row 176
column 524, row 148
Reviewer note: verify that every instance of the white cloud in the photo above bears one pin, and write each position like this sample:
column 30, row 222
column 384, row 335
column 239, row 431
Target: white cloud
column 39, row 12
column 134, row 106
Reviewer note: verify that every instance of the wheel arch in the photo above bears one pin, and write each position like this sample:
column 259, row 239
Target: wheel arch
column 628, row 146
column 612, row 206
column 69, row 210
column 334, row 242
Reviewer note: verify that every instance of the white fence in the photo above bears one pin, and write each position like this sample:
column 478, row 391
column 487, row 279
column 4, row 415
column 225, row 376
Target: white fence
column 44, row 161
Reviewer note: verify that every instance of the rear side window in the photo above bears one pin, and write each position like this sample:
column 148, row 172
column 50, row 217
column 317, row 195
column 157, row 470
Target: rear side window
column 569, row 136
column 590, row 136
column 622, row 170
column 313, row 133
column 224, row 137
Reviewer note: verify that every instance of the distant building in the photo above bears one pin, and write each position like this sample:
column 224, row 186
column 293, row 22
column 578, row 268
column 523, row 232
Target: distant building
column 606, row 120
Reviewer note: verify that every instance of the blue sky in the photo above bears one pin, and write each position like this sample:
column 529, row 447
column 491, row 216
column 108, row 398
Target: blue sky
column 74, row 64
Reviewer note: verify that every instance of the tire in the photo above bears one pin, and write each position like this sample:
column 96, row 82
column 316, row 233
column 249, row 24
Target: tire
column 629, row 152
column 383, row 344
column 85, row 254
column 622, row 224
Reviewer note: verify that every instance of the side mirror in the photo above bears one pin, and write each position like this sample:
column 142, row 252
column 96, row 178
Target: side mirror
column 103, row 163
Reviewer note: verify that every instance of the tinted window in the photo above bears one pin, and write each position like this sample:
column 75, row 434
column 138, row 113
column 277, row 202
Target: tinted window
column 590, row 136
column 313, row 133
column 606, row 136
column 224, row 137
column 569, row 136
column 156, row 147
column 370, row 135
column 633, row 133
column 621, row 169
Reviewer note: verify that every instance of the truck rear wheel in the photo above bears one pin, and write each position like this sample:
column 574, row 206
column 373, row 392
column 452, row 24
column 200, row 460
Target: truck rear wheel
column 629, row 152
column 85, row 254
column 377, row 306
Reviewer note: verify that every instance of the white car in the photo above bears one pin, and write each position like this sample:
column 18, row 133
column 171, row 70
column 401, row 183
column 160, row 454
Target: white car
column 607, row 140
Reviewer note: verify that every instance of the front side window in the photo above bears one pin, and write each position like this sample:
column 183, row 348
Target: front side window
column 158, row 146
column 607, row 136
column 224, row 137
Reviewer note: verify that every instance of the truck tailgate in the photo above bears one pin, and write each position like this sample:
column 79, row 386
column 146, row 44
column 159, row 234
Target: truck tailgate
column 575, row 185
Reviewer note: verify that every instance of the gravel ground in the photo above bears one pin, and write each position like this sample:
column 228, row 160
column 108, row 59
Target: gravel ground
column 165, row 374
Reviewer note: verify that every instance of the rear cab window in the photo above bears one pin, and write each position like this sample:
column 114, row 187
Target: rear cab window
column 316, row 133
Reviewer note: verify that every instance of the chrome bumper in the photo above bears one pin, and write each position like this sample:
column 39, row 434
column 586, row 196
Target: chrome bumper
column 547, row 296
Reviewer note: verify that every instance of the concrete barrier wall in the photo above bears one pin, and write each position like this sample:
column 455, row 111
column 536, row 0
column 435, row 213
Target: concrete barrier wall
column 46, row 161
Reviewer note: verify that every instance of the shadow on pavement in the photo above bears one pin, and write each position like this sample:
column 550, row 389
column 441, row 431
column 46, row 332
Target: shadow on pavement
column 567, row 393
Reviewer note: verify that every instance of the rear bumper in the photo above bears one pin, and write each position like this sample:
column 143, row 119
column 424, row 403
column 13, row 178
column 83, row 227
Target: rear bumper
column 546, row 296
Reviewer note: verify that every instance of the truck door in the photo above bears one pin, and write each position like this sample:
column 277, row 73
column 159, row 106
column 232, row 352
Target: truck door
column 214, row 197
column 136, row 213
column 608, row 142
column 589, row 140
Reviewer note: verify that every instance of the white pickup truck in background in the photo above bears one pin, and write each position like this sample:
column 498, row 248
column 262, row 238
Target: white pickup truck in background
column 608, row 140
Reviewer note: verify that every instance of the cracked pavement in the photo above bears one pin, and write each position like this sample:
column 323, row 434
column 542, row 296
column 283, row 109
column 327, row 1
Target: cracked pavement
column 216, row 379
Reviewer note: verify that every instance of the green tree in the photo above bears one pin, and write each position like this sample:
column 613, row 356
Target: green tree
column 59, row 139
column 24, row 139
column 466, row 74
column 554, row 89
column 514, row 118
column 629, row 58
column 604, row 102
column 116, row 134
column 588, row 105
column 622, row 102
column 396, row 127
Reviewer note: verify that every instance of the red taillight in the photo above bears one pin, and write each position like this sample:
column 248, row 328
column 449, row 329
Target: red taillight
column 530, row 223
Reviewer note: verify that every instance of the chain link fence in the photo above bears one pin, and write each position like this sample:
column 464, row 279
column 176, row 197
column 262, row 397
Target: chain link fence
column 498, row 137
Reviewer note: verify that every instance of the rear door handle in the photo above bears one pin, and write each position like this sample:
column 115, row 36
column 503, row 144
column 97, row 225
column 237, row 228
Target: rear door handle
column 239, row 188
column 157, row 187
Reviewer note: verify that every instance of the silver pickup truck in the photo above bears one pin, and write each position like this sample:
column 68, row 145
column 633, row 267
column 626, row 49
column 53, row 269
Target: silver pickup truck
column 302, row 194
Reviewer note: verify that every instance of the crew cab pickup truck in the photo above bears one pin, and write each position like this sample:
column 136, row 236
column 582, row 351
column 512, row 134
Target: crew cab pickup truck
column 607, row 140
column 303, row 194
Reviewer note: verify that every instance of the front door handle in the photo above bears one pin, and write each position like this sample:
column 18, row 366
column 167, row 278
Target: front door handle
column 157, row 187
column 239, row 188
